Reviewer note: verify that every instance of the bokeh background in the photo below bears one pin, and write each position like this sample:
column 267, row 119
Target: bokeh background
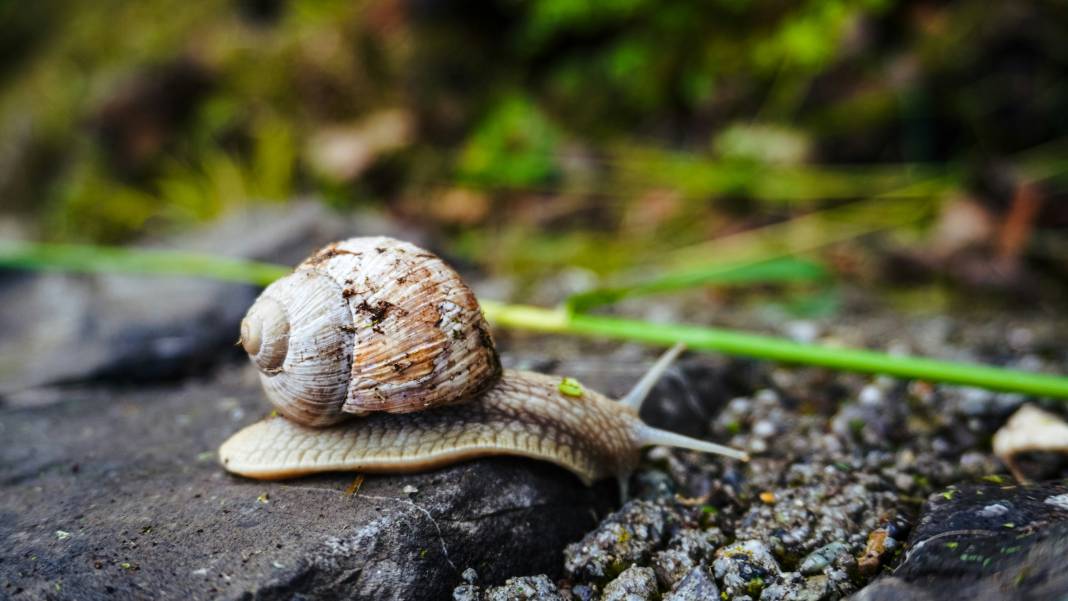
column 883, row 182
column 912, row 141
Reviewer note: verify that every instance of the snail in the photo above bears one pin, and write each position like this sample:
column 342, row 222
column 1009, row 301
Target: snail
column 377, row 357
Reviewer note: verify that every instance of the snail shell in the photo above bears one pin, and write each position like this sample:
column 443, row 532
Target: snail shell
column 367, row 325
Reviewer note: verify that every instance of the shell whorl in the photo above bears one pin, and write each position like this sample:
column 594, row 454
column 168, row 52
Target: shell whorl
column 369, row 324
column 265, row 335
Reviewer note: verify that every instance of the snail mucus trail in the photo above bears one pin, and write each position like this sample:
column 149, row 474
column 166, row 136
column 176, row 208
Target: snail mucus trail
column 377, row 358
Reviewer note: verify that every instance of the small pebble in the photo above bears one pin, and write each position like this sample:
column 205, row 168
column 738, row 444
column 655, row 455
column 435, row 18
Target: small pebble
column 763, row 429
column 697, row 585
column 633, row 584
column 871, row 395
column 819, row 559
column 524, row 588
column 1059, row 501
column 745, row 568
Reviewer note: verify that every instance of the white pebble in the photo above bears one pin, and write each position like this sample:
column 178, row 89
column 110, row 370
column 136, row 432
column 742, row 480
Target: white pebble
column 763, row 429
column 1058, row 501
column 871, row 395
column 992, row 511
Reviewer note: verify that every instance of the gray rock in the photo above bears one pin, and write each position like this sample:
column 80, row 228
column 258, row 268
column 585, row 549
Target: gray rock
column 745, row 568
column 525, row 588
column 792, row 586
column 892, row 589
column 686, row 549
column 788, row 587
column 653, row 485
column 584, row 592
column 819, row 505
column 697, row 585
column 633, row 584
column 117, row 493
column 988, row 542
column 821, row 558
column 466, row 592
column 60, row 329
column 626, row 537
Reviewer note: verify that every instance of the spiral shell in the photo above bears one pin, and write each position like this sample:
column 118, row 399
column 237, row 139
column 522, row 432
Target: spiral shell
column 368, row 324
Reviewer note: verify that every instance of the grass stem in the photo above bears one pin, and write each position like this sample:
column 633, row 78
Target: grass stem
column 776, row 349
column 94, row 259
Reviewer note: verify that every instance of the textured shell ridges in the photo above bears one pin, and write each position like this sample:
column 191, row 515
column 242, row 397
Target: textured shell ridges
column 377, row 324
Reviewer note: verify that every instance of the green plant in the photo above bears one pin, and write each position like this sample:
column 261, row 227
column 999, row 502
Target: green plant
column 560, row 321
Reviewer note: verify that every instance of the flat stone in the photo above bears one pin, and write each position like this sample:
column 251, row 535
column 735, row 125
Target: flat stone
column 633, row 584
column 986, row 542
column 698, row 585
column 117, row 492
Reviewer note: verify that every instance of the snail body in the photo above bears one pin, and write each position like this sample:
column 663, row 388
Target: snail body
column 422, row 375
column 501, row 420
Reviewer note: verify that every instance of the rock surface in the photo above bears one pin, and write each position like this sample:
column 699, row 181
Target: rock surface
column 634, row 584
column 523, row 588
column 118, row 493
column 985, row 542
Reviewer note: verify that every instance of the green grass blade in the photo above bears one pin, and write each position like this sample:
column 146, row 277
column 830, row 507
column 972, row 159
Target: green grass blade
column 775, row 349
column 98, row 259
column 91, row 259
column 777, row 270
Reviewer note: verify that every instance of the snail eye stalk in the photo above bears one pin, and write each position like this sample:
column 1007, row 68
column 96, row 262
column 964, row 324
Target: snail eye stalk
column 637, row 395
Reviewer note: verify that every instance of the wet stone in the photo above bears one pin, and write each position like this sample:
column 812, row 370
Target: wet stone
column 821, row 558
column 524, row 588
column 132, row 478
column 892, row 589
column 745, row 568
column 990, row 542
column 697, row 585
column 633, row 584
column 466, row 592
column 626, row 537
column 686, row 549
column 652, row 485
column 789, row 586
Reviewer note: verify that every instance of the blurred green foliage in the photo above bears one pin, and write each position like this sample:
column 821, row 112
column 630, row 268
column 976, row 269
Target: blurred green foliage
column 584, row 133
column 514, row 146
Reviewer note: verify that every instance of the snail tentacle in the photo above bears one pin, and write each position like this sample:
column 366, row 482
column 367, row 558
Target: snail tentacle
column 641, row 390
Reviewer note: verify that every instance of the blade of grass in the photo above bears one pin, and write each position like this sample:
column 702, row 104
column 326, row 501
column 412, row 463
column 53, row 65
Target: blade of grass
column 99, row 259
column 766, row 253
column 776, row 349
column 778, row 270
column 697, row 176
column 89, row 259
column 814, row 230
